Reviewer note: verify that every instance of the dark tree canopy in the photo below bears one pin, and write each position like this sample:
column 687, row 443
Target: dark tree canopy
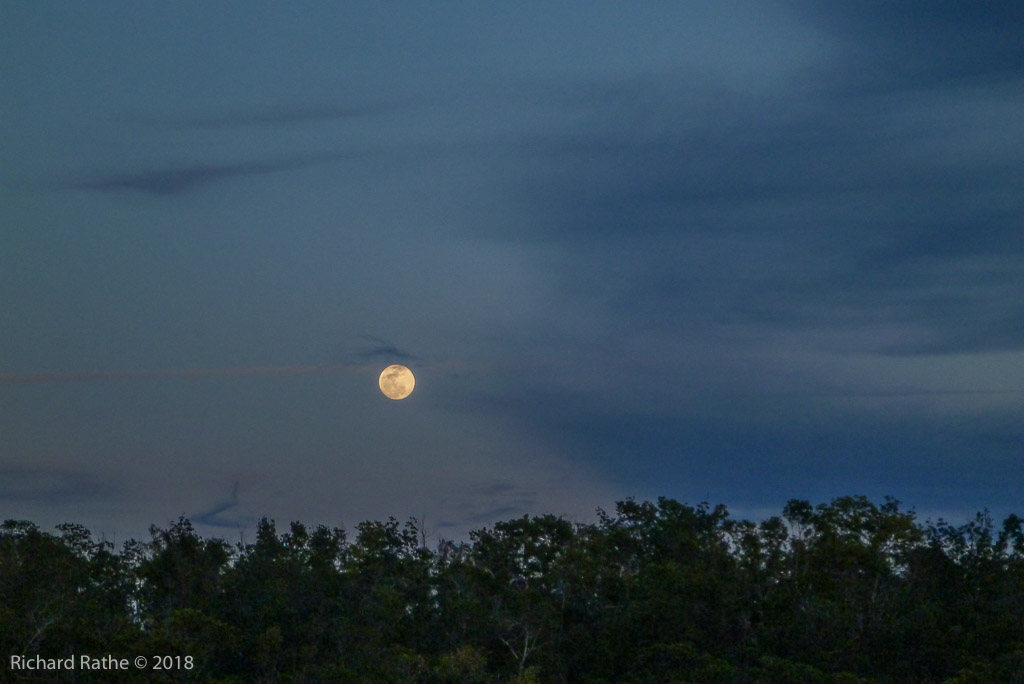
column 848, row 591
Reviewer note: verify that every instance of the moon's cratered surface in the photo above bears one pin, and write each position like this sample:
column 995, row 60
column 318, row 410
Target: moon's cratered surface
column 396, row 382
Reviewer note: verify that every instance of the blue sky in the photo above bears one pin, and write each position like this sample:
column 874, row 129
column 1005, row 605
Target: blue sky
column 739, row 252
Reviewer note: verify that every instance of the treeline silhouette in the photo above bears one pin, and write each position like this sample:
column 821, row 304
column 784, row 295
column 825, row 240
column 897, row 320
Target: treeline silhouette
column 848, row 591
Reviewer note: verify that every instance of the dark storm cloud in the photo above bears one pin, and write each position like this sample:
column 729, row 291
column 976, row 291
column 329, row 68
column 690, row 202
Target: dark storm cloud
column 922, row 43
column 942, row 305
column 868, row 206
column 178, row 180
column 813, row 206
column 817, row 449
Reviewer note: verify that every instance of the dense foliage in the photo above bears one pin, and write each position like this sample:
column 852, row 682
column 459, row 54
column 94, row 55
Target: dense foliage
column 659, row 592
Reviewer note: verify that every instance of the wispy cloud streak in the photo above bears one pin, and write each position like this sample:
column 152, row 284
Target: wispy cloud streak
column 179, row 373
column 279, row 116
column 181, row 179
column 383, row 349
column 215, row 516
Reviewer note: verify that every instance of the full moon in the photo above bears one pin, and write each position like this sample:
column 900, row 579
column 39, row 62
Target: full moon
column 396, row 382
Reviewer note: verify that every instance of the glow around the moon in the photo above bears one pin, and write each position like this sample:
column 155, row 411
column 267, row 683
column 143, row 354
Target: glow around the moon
column 396, row 382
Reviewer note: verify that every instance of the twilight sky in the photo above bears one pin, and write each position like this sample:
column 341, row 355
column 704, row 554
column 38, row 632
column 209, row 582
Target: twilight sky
column 734, row 251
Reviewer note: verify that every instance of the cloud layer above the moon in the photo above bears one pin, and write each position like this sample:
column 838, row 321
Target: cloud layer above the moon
column 739, row 252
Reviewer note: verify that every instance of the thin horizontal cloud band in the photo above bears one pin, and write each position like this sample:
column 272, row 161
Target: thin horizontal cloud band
column 43, row 378
column 236, row 371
